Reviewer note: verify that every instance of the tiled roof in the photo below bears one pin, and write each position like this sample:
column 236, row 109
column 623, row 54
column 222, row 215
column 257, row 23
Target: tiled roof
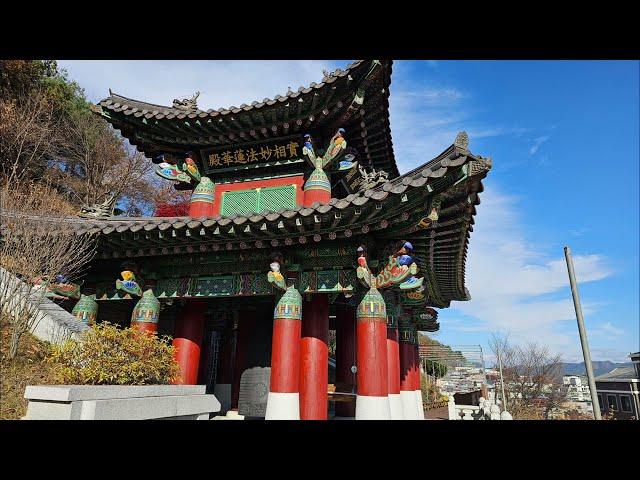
column 417, row 178
column 137, row 108
column 330, row 104
column 390, row 211
column 618, row 374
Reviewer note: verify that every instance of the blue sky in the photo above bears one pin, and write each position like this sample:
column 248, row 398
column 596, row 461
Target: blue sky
column 564, row 139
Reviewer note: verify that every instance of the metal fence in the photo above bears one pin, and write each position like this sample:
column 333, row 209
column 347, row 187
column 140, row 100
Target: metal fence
column 465, row 366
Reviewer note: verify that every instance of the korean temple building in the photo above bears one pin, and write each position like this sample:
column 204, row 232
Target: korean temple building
column 299, row 223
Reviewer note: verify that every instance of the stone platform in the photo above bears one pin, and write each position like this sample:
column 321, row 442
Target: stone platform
column 117, row 402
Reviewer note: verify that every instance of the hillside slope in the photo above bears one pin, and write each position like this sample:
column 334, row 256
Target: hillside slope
column 28, row 368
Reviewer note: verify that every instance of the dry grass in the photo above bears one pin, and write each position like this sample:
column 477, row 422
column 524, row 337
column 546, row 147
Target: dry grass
column 28, row 368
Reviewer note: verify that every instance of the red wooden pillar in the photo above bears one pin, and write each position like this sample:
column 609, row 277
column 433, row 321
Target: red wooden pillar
column 283, row 402
column 187, row 340
column 345, row 357
column 372, row 402
column 314, row 359
column 145, row 327
column 393, row 371
column 317, row 188
column 201, row 202
column 407, row 376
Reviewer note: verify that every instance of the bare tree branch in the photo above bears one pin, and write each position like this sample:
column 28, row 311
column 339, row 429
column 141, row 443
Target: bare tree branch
column 532, row 377
column 36, row 244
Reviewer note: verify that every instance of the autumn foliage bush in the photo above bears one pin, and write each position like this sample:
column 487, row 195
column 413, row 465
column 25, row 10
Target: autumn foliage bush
column 178, row 209
column 108, row 355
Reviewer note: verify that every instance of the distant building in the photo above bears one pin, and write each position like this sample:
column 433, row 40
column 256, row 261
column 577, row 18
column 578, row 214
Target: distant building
column 619, row 390
column 492, row 375
column 577, row 388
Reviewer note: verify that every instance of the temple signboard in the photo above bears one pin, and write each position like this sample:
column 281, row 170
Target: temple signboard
column 354, row 179
column 276, row 150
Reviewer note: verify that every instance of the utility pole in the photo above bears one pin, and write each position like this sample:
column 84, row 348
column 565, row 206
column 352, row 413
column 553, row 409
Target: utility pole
column 504, row 398
column 583, row 334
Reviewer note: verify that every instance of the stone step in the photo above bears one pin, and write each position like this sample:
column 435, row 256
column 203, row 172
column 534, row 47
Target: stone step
column 231, row 415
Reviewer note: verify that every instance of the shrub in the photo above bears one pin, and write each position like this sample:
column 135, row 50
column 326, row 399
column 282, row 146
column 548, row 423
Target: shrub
column 108, row 355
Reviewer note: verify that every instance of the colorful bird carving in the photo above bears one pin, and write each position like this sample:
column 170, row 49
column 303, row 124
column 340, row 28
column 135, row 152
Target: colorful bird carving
column 129, row 284
column 275, row 277
column 190, row 167
column 62, row 287
column 404, row 258
column 308, row 143
column 61, row 279
column 338, row 143
column 403, row 255
column 348, row 162
column 362, row 257
column 307, row 149
column 172, row 172
column 275, row 268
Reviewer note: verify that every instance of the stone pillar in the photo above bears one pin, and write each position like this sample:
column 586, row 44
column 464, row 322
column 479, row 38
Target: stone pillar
column 283, row 402
column 407, row 360
column 451, row 408
column 314, row 359
column 417, row 378
column 187, row 340
column 146, row 313
column 317, row 188
column 372, row 402
column 393, row 370
column 345, row 357
column 202, row 198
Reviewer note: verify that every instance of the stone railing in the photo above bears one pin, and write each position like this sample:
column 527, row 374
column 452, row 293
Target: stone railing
column 51, row 322
column 487, row 410
column 119, row 402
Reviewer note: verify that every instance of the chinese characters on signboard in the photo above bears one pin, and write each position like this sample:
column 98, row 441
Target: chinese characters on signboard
column 236, row 156
column 354, row 179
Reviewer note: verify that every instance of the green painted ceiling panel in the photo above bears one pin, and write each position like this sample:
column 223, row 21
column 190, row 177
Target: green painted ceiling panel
column 275, row 198
column 241, row 202
column 258, row 200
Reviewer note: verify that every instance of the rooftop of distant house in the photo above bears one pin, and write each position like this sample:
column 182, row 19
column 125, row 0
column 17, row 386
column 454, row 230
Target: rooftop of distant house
column 620, row 374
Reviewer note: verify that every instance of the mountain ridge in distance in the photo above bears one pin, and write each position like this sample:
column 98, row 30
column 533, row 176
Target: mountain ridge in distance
column 599, row 367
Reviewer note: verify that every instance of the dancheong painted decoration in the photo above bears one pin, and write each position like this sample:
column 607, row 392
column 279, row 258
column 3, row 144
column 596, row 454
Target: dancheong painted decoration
column 146, row 312
column 86, row 310
column 299, row 223
column 128, row 283
column 60, row 288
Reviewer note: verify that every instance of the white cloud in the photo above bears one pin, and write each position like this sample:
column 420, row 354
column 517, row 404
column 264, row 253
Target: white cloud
column 432, row 96
column 611, row 354
column 221, row 83
column 426, row 118
column 537, row 143
column 608, row 327
column 515, row 284
column 516, row 287
column 606, row 331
